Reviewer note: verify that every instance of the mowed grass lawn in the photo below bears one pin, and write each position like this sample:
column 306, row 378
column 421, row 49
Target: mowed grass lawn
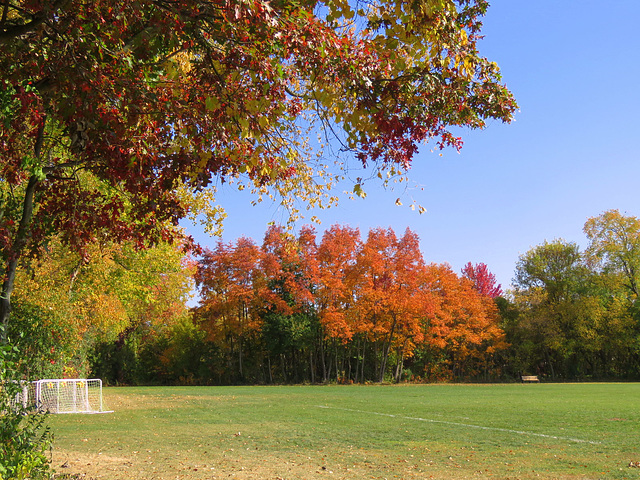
column 541, row 431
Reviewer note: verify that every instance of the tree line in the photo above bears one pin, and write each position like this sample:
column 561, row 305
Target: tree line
column 573, row 314
column 332, row 308
column 343, row 309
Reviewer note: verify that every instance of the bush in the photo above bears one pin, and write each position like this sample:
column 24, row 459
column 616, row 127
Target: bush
column 24, row 438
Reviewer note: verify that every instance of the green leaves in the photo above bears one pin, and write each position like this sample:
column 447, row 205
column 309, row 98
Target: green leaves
column 24, row 437
column 357, row 189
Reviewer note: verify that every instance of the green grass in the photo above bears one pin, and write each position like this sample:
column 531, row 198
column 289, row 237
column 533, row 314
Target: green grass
column 548, row 431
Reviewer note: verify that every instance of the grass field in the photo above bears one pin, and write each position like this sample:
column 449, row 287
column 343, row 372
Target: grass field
column 541, row 431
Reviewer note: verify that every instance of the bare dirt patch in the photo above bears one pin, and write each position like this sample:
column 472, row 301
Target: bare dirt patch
column 90, row 464
column 143, row 465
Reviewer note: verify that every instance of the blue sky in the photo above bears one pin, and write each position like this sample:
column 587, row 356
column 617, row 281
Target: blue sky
column 571, row 153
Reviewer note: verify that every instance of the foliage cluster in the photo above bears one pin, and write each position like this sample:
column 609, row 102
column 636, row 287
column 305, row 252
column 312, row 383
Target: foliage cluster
column 574, row 314
column 342, row 309
column 68, row 307
column 118, row 118
column 24, row 438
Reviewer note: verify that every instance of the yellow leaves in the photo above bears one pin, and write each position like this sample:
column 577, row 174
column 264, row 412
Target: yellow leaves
column 102, row 294
column 263, row 121
column 464, row 37
column 178, row 65
column 339, row 9
column 205, row 157
column 212, row 103
column 202, row 208
column 244, row 126
column 357, row 189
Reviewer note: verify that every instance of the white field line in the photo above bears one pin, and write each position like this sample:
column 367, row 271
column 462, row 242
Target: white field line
column 467, row 425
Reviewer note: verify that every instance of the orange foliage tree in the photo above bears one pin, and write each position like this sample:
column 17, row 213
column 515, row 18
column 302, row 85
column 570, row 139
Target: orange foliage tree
column 228, row 277
column 462, row 324
column 389, row 299
column 337, row 255
column 346, row 309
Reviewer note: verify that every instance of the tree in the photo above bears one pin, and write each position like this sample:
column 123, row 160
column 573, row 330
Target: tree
column 228, row 278
column 67, row 305
column 553, row 288
column 461, row 324
column 116, row 115
column 614, row 255
column 389, row 303
column 615, row 246
column 483, row 280
column 556, row 267
column 337, row 256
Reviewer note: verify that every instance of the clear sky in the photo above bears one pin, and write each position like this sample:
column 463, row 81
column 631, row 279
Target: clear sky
column 572, row 152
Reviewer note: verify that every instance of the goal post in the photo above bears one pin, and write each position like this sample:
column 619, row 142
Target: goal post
column 76, row 395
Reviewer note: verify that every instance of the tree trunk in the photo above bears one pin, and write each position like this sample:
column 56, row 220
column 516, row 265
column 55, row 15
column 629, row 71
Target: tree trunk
column 240, row 359
column 386, row 348
column 364, row 351
column 553, row 372
column 335, row 348
column 400, row 361
column 12, row 256
column 325, row 377
column 357, row 359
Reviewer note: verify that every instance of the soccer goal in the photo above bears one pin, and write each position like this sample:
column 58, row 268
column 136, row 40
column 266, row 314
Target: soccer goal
column 65, row 395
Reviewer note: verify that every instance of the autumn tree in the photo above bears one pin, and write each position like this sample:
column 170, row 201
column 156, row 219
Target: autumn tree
column 68, row 305
column 462, row 329
column 337, row 256
column 229, row 278
column 335, row 301
column 483, row 280
column 389, row 303
column 118, row 117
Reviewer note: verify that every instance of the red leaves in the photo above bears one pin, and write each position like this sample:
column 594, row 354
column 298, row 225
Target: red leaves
column 483, row 280
column 143, row 97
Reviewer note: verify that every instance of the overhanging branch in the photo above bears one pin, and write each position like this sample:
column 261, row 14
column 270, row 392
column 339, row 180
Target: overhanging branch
column 9, row 33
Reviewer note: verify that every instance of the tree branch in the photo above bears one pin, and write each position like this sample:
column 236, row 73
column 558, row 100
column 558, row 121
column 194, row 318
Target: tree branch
column 5, row 10
column 8, row 34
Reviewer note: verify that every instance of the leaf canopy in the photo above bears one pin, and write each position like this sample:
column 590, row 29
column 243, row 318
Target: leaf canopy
column 125, row 110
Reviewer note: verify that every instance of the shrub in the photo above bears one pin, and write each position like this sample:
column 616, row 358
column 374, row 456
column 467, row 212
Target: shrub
column 24, row 438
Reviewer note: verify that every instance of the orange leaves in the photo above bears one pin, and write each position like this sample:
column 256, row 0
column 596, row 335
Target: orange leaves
column 228, row 277
column 460, row 319
column 378, row 291
column 337, row 256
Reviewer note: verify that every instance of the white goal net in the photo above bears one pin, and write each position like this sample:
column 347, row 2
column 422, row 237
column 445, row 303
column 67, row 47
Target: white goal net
column 63, row 395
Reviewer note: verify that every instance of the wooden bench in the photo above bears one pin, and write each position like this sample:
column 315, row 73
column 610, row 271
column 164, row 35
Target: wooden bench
column 529, row 378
